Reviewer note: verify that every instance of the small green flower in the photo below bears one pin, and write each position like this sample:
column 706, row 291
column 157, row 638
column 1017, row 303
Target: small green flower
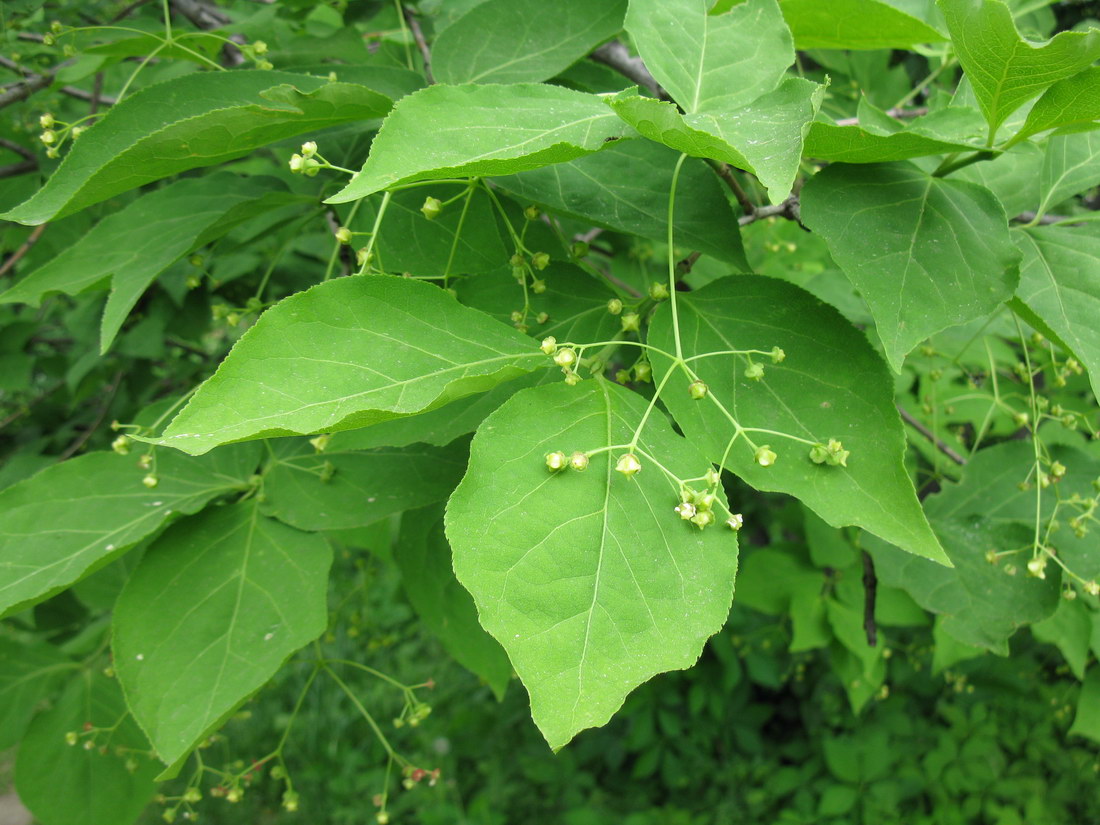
column 765, row 456
column 614, row 306
column 754, row 372
column 556, row 461
column 658, row 291
column 631, row 322
column 549, row 345
column 431, row 208
column 697, row 390
column 579, row 461
column 540, row 260
column 628, row 465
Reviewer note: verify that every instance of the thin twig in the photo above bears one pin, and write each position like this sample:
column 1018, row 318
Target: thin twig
column 15, row 169
column 23, row 249
column 1028, row 217
column 22, row 91
column 101, row 414
column 927, row 433
column 615, row 55
column 788, row 209
column 895, row 113
column 870, row 589
column 421, row 43
column 22, row 151
column 726, row 174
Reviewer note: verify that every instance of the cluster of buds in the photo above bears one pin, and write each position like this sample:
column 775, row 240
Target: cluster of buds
column 1071, row 367
column 414, row 776
column 642, row 371
column 697, row 506
column 255, row 52
column 564, row 357
column 558, row 461
column 833, row 454
column 306, row 163
column 413, row 715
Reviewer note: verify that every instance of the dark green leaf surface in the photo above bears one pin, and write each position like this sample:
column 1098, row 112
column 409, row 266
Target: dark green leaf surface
column 458, row 131
column 878, row 138
column 925, row 253
column 447, row 610
column 1073, row 103
column 30, row 674
column 854, row 24
column 1071, row 164
column 216, row 606
column 830, row 385
column 590, row 580
column 196, row 120
column 1070, row 630
column 1087, row 721
column 349, row 353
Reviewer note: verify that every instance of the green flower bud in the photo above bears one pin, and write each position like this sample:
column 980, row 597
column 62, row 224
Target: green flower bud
column 290, row 801
column 579, row 461
column 778, row 355
column 712, row 477
column 320, row 442
column 382, row 818
column 754, row 372
column 1020, row 419
column 531, row 213
column 538, row 286
column 309, row 149
column 686, row 510
column 121, row 445
column 565, row 357
column 643, row 371
column 549, row 345
column 542, row 318
column 765, row 456
column 150, row 481
column 658, row 291
column 614, row 306
column 735, row 522
column 622, row 376
column 46, row 121
column 556, row 461
column 233, row 318
column 56, row 27
column 697, row 390
column 628, row 465
column 234, row 795
column 516, row 261
column 48, row 40
column 72, row 737
column 1037, row 567
column 49, row 137
column 192, row 794
column 703, row 518
column 297, row 164
column 265, row 65
column 579, row 250
column 259, row 47
column 432, row 208
column 343, row 234
column 1092, row 588
column 540, row 260
column 572, row 379
column 631, row 322
column 68, row 50
column 1057, row 469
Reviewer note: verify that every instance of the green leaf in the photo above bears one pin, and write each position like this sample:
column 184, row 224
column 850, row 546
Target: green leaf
column 336, row 490
column 1070, row 630
column 1005, row 70
column 1073, row 103
column 980, row 603
column 196, row 120
column 854, row 24
column 1071, row 164
column 348, row 353
column 763, row 137
column 590, row 580
column 1087, row 721
column 522, row 41
column 1013, row 177
column 925, row 253
column 135, row 245
column 74, row 517
column 458, row 131
column 66, row 785
column 830, row 385
column 711, row 63
column 878, row 137
column 1060, row 282
column 216, row 606
column 446, row 609
column 625, row 188
column 31, row 673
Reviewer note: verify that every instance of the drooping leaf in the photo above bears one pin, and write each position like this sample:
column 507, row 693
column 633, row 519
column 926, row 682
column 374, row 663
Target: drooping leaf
column 854, row 24
column 458, row 131
column 134, row 245
column 216, row 606
column 196, row 120
column 1070, row 630
column 1005, row 70
column 424, row 557
column 1060, row 282
column 56, row 528
column 337, row 490
column 66, row 785
column 590, row 580
column 926, row 253
column 878, row 138
column 346, row 354
column 764, row 136
column 31, row 673
column 1087, row 720
column 625, row 188
column 712, row 63
column 830, row 385
column 1073, row 103
column 1071, row 164
column 522, row 41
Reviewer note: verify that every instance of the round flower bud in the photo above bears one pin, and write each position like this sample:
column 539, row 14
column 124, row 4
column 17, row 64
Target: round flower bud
column 531, row 213
column 542, row 318
column 538, row 286
column 382, row 818
column 343, row 234
column 735, row 522
column 193, row 282
column 765, row 456
column 431, row 208
column 565, row 357
column 309, row 149
column 579, row 461
column 290, row 801
column 297, row 164
column 628, row 465
column 56, row 27
column 556, row 461
column 579, row 250
column 1020, row 419
column 48, row 40
column 686, row 510
column 363, row 255
column 549, row 345
column 265, row 65
column 1092, row 588
column 516, row 261
column 712, row 477
column 658, row 291
column 49, row 137
column 150, row 481
column 1057, row 469
column 614, row 306
column 146, row 461
column 697, row 390
column 71, row 737
column 540, row 260
column 233, row 318
column 754, row 372
column 192, row 794
column 703, row 518
column 1037, row 567
column 643, row 371
column 121, row 445
column 78, row 131
column 260, row 47
column 777, row 355
column 234, row 795
column 572, row 379
column 46, row 121
column 631, row 322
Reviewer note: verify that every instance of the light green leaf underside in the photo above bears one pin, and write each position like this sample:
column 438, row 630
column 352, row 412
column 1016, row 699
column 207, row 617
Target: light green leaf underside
column 31, row 672
column 948, row 130
column 1060, row 282
column 133, row 246
column 854, row 24
column 831, row 385
column 711, row 63
column 589, row 580
column 625, row 188
column 764, row 136
column 522, row 41
column 361, row 487
column 1071, row 164
column 215, row 607
column 458, row 131
column 446, row 609
column 1005, row 70
column 1073, row 103
column 42, row 553
column 346, row 354
column 196, row 120
column 925, row 253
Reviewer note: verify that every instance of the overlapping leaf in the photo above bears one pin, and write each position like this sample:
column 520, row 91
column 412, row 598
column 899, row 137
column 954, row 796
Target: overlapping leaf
column 1071, row 164
column 879, row 138
column 1071, row 104
column 854, row 24
column 31, row 673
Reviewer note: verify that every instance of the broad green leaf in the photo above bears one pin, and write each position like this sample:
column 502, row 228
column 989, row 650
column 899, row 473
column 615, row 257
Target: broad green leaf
column 831, row 384
column 1071, row 164
column 590, row 580
column 1060, row 282
column 336, row 490
column 954, row 129
column 1070, row 630
column 854, row 24
column 424, row 558
column 66, row 785
column 1005, row 70
column 133, row 246
column 925, row 253
column 711, row 63
column 1071, row 104
column 1013, row 177
column 1087, row 721
column 948, row 651
column 75, row 517
column 458, row 131
column 625, row 188
column 31, row 672
column 764, row 137
column 981, row 604
column 214, row 609
column 769, row 578
column 522, row 41
column 348, row 353
column 196, row 120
